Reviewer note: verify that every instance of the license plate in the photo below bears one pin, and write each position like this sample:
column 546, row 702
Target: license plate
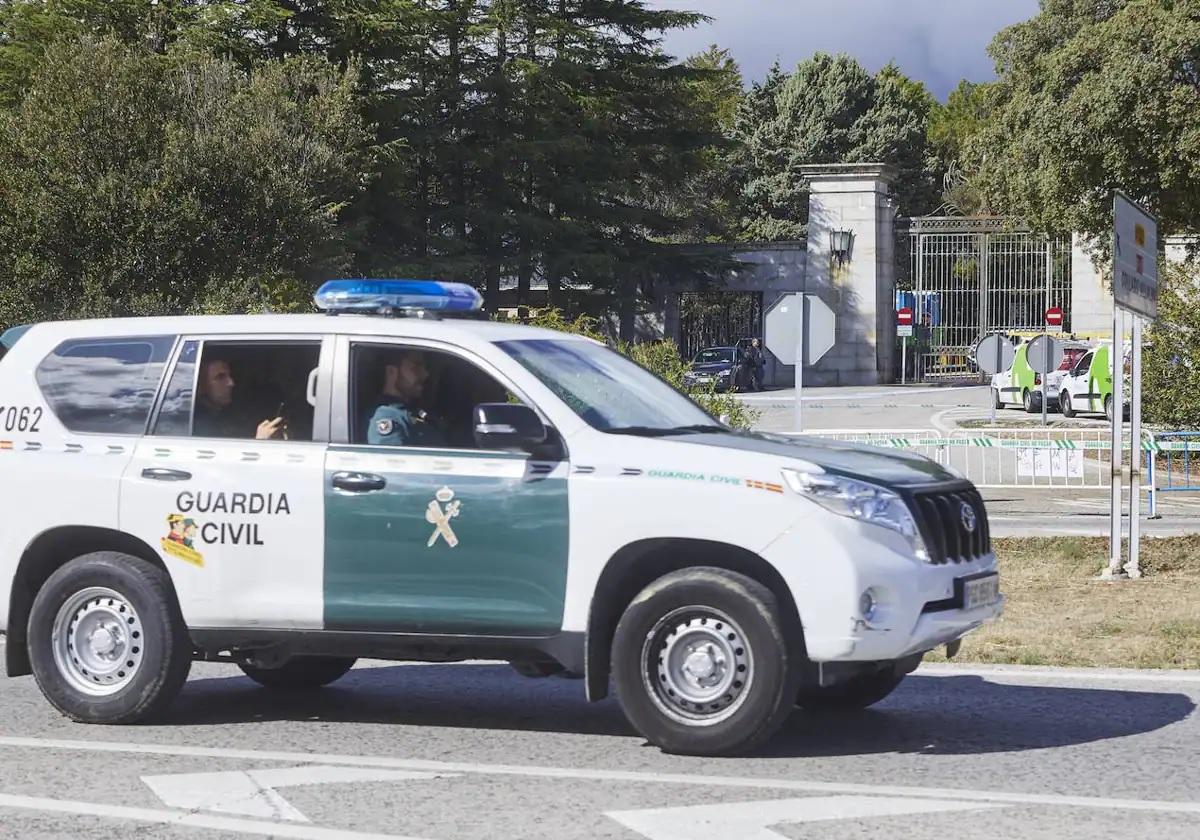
column 980, row 591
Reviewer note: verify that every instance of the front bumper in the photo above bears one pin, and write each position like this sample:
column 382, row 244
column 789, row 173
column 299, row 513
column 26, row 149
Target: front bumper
column 828, row 561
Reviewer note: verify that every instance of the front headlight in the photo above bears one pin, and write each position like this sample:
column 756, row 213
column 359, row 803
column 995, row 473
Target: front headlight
column 859, row 500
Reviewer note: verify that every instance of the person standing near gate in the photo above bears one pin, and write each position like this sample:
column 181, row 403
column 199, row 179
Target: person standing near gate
column 755, row 362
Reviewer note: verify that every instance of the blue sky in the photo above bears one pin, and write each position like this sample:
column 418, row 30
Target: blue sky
column 936, row 41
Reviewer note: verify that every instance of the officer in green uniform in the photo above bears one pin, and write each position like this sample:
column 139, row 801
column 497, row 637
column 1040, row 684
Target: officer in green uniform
column 396, row 421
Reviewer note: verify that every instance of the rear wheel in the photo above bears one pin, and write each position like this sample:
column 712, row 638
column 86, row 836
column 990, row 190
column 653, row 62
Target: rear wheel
column 1028, row 402
column 1064, row 404
column 856, row 693
column 301, row 672
column 107, row 643
column 1108, row 407
column 701, row 663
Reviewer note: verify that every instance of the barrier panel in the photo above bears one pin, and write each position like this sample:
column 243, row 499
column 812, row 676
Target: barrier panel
column 1031, row 457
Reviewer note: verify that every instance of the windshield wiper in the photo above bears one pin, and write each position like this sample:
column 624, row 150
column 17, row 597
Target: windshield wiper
column 701, row 428
column 660, row 431
column 640, row 431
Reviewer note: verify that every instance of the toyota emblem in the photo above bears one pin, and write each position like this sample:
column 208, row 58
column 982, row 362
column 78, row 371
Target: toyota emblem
column 967, row 514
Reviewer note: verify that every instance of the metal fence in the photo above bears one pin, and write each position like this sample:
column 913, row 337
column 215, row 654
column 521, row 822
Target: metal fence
column 999, row 457
column 718, row 319
column 966, row 277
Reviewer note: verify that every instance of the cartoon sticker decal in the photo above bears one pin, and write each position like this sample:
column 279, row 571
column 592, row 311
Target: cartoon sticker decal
column 181, row 535
column 440, row 518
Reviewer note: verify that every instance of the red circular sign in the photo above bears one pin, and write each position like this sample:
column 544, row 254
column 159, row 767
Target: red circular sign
column 904, row 316
column 1054, row 316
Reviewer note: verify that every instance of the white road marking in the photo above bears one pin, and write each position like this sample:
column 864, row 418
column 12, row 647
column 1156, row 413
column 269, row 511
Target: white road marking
column 182, row 818
column 750, row 820
column 1028, row 672
column 645, row 778
column 252, row 793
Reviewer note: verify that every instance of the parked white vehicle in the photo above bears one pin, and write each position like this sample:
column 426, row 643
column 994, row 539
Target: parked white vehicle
column 290, row 492
column 1087, row 387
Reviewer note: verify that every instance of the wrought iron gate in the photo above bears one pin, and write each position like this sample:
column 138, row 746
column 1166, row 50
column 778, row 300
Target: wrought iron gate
column 966, row 277
column 717, row 319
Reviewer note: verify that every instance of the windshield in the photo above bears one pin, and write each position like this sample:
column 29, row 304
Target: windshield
column 712, row 355
column 607, row 390
column 1070, row 357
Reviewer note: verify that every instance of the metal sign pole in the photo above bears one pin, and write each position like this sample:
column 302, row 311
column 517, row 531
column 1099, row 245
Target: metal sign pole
column 903, row 359
column 999, row 361
column 1044, row 364
column 800, row 362
column 1115, row 529
column 1135, row 451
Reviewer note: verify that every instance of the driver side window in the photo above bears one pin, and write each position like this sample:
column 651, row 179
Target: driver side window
column 1082, row 365
column 412, row 396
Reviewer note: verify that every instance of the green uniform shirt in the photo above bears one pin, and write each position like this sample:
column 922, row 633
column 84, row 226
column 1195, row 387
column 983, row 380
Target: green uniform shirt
column 392, row 424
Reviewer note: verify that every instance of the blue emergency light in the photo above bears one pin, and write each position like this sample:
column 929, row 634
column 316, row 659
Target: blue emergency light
column 390, row 296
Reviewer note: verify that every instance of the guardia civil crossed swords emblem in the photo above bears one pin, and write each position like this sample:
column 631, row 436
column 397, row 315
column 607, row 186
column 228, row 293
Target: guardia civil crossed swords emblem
column 440, row 517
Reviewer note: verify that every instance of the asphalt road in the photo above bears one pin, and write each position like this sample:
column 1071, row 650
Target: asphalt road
column 476, row 752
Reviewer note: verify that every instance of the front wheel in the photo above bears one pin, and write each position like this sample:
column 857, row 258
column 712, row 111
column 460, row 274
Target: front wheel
column 1064, row 404
column 858, row 692
column 301, row 672
column 107, row 643
column 701, row 663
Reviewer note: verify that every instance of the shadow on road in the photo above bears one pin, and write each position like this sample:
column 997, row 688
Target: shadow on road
column 934, row 715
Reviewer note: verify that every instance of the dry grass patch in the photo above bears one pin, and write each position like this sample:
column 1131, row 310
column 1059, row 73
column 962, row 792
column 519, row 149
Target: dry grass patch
column 1057, row 614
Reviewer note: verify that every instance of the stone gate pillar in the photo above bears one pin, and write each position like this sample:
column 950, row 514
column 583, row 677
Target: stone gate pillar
column 853, row 197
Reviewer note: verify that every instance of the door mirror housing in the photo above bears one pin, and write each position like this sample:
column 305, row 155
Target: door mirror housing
column 508, row 426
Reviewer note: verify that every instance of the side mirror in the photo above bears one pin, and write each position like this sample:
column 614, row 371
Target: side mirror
column 508, row 426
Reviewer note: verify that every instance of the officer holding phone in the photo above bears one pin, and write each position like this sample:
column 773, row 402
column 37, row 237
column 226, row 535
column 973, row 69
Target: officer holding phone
column 214, row 400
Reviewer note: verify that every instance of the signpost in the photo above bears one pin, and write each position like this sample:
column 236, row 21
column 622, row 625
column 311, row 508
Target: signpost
column 904, row 329
column 1044, row 355
column 1135, row 290
column 1054, row 319
column 799, row 327
column 994, row 353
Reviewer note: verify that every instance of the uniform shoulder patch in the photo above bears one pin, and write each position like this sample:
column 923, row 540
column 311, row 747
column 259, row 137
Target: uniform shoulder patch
column 385, row 426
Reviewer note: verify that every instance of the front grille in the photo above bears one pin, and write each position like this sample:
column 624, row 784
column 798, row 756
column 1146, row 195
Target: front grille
column 939, row 515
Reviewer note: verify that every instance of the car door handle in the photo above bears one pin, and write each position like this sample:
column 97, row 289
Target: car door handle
column 164, row 474
column 357, row 482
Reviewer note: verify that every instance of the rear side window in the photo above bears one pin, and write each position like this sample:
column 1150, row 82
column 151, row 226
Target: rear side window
column 104, row 385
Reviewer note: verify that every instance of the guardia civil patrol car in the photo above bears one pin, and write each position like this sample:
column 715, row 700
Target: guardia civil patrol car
column 203, row 488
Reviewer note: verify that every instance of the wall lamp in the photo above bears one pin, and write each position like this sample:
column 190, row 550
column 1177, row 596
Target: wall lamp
column 839, row 244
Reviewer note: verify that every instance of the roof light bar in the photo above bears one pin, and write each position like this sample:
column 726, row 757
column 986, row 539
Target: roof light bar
column 388, row 296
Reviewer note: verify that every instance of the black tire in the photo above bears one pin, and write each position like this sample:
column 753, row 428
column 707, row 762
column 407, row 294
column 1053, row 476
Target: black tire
column 155, row 639
column 301, row 672
column 996, row 401
column 1064, row 405
column 1028, row 403
column 1108, row 407
column 855, row 694
column 706, row 603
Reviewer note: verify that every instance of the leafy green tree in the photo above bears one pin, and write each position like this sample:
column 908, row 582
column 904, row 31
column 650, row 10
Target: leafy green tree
column 137, row 183
column 707, row 200
column 1171, row 358
column 1094, row 96
column 829, row 110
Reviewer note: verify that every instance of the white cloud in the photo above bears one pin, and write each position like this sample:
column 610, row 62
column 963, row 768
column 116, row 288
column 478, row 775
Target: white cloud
column 936, row 41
